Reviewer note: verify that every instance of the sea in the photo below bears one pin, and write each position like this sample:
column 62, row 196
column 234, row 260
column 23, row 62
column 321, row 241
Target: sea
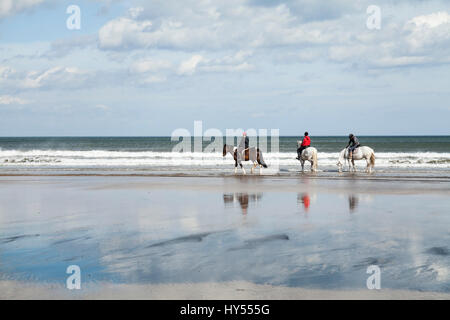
column 141, row 155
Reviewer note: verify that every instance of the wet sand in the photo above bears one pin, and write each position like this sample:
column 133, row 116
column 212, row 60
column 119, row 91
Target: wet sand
column 237, row 290
column 160, row 237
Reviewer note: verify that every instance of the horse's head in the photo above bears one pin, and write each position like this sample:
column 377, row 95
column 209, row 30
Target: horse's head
column 339, row 164
column 341, row 160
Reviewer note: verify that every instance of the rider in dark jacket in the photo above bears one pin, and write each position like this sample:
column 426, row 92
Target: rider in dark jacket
column 353, row 143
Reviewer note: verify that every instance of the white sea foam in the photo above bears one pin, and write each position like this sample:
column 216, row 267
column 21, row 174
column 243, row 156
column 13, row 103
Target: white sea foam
column 103, row 158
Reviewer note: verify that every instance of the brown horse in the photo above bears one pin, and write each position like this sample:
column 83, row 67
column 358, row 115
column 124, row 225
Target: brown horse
column 251, row 154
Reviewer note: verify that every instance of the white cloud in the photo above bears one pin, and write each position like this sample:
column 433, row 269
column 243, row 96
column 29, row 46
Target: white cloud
column 7, row 99
column 189, row 66
column 53, row 77
column 428, row 31
column 234, row 25
column 56, row 76
column 421, row 40
column 149, row 65
column 339, row 35
column 123, row 32
column 228, row 63
column 5, row 72
column 431, row 21
column 11, row 7
column 135, row 12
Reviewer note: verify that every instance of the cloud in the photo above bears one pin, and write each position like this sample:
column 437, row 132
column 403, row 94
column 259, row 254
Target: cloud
column 428, row 31
column 123, row 33
column 228, row 63
column 421, row 40
column 54, row 77
column 189, row 66
column 430, row 21
column 67, row 77
column 149, row 65
column 229, row 27
column 11, row 7
column 7, row 99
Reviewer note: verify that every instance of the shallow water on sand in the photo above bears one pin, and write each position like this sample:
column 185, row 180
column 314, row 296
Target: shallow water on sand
column 297, row 232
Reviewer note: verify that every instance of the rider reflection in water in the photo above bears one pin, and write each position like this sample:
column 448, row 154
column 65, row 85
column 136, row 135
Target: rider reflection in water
column 352, row 202
column 303, row 198
column 305, row 144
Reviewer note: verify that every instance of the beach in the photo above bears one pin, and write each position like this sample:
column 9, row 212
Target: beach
column 123, row 125
column 163, row 236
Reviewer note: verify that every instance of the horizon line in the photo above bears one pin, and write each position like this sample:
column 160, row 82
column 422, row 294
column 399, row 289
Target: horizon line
column 164, row 136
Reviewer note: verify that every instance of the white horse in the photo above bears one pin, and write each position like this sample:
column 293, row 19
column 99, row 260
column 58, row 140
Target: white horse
column 253, row 154
column 309, row 154
column 358, row 154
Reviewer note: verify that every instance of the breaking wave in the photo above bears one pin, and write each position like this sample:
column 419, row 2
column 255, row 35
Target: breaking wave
column 103, row 158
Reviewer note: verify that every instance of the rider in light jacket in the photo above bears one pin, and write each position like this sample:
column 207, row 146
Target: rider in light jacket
column 243, row 144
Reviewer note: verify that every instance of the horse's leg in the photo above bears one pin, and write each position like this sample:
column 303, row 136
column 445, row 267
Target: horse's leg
column 303, row 165
column 353, row 165
column 242, row 167
column 367, row 165
column 235, row 166
column 312, row 165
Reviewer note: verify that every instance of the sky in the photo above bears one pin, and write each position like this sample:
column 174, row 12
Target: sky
column 146, row 68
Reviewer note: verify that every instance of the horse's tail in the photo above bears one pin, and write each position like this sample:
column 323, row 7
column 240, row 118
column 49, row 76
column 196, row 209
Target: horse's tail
column 372, row 159
column 261, row 159
column 315, row 159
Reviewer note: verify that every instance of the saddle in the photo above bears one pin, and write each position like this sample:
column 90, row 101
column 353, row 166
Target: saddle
column 355, row 152
column 246, row 154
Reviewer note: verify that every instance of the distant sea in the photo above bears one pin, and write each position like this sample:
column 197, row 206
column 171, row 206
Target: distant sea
column 429, row 153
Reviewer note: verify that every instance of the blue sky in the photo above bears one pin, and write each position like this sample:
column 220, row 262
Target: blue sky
column 150, row 67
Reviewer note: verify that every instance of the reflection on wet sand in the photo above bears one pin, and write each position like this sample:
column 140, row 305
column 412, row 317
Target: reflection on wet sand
column 352, row 202
column 304, row 200
column 179, row 233
column 243, row 198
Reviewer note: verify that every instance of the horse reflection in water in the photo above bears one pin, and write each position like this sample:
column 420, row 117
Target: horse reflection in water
column 352, row 202
column 243, row 199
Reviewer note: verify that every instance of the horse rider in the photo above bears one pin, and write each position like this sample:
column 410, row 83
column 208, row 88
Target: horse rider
column 306, row 142
column 353, row 143
column 243, row 145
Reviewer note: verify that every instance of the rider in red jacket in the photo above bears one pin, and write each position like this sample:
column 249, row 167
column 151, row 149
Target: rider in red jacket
column 306, row 142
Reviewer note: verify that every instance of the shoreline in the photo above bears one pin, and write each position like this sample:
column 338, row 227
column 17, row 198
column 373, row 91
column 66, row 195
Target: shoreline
column 233, row 290
column 290, row 175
